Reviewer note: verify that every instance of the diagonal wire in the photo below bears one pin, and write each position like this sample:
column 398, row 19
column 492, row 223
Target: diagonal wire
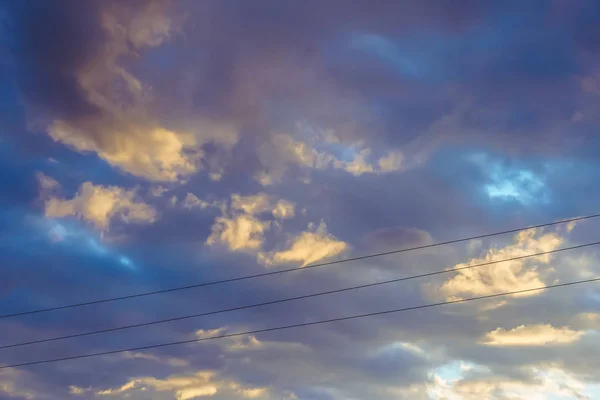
column 279, row 328
column 289, row 299
column 283, row 271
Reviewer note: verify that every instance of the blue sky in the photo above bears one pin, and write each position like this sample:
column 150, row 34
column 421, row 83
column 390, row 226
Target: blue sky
column 153, row 144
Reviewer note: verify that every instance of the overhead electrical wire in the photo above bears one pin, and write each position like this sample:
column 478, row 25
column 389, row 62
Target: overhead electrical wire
column 282, row 271
column 289, row 299
column 304, row 324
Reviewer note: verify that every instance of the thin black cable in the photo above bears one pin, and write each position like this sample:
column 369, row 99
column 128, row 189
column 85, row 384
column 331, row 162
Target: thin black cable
column 282, row 271
column 279, row 328
column 294, row 298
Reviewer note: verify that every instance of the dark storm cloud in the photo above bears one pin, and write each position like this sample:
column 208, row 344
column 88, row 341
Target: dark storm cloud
column 50, row 42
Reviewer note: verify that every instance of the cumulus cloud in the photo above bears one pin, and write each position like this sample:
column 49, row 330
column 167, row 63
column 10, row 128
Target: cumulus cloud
column 148, row 151
column 531, row 335
column 308, row 247
column 238, row 233
column 241, row 228
column 99, row 205
column 506, row 276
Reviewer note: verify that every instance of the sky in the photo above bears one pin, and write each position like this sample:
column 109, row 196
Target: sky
column 149, row 144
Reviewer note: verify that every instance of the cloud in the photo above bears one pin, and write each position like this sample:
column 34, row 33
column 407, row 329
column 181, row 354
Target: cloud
column 12, row 386
column 187, row 387
column 158, row 191
column 184, row 388
column 191, row 201
column 284, row 209
column 253, row 204
column 255, row 393
column 531, row 335
column 306, row 248
column 240, row 228
column 262, row 202
column 247, row 344
column 199, row 97
column 75, row 390
column 397, row 237
column 506, row 276
column 116, row 118
column 238, row 233
column 171, row 361
column 99, row 205
column 148, row 151
column 548, row 383
column 46, row 183
column 285, row 151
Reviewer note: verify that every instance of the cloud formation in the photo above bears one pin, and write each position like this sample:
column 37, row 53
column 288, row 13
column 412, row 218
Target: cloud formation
column 238, row 233
column 224, row 138
column 99, row 205
column 531, row 335
column 507, row 276
column 308, row 247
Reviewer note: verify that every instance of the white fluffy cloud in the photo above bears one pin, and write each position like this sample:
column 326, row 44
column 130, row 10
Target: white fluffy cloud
column 531, row 335
column 505, row 276
column 148, row 151
column 308, row 247
column 240, row 228
column 99, row 204
column 238, row 233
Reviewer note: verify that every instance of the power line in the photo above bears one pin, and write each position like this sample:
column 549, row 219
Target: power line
column 289, row 299
column 282, row 271
column 279, row 328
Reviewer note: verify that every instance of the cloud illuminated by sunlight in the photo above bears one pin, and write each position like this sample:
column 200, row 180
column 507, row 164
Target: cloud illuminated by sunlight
column 506, row 276
column 100, row 204
column 308, row 247
column 531, row 335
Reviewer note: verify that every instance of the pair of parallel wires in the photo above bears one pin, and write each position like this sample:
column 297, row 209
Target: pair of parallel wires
column 296, row 298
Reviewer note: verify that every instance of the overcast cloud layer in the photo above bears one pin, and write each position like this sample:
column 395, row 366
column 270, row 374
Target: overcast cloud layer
column 150, row 144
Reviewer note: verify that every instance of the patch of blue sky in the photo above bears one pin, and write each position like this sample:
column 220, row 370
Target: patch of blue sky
column 456, row 370
column 73, row 238
column 326, row 143
column 341, row 151
column 511, row 182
